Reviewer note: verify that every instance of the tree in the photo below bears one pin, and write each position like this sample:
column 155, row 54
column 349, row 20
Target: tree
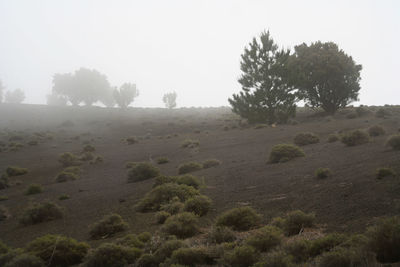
column 325, row 76
column 125, row 95
column 266, row 94
column 1, row 91
column 54, row 99
column 169, row 100
column 108, row 99
column 16, row 97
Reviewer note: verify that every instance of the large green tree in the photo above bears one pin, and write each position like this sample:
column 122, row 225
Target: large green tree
column 266, row 95
column 325, row 75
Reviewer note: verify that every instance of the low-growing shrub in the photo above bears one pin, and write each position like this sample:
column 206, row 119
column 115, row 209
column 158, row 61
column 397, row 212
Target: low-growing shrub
column 25, row 260
column 63, row 197
column 34, row 189
column 130, row 240
column 356, row 137
column 352, row 115
column 333, row 138
column 384, row 172
column 162, row 216
column 68, row 159
column 382, row 113
column 296, row 220
column 325, row 243
column 211, row 163
column 221, row 234
column 65, row 176
column 181, row 225
column 33, row 143
column 394, row 142
column 167, row 248
column 162, row 160
column 299, row 250
column 199, row 205
column 189, row 167
column 173, row 207
column 265, row 238
column 276, row 259
column 142, row 171
column 189, row 180
column 86, row 156
column 57, row 250
column 73, row 169
column 163, row 179
column 147, row 260
column 322, row 173
column 88, row 148
column 144, row 237
column 2, row 198
column 339, row 257
column 240, row 219
column 376, row 130
column 242, row 256
column 96, row 160
column 108, row 254
column 131, row 140
column 303, row 139
column 46, row 211
column 108, row 226
column 15, row 171
column 4, row 182
column 191, row 257
column 189, row 143
column 285, row 152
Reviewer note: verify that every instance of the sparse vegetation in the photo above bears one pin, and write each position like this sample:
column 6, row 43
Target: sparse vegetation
column 68, row 159
column 384, row 172
column 394, row 142
column 322, row 173
column 182, row 225
column 376, row 130
column 265, row 238
column 199, row 205
column 65, row 176
column 33, row 189
column 108, row 254
column 189, row 143
column 303, row 139
column 191, row 256
column 211, row 163
column 46, row 211
column 15, row 171
column 296, row 220
column 382, row 113
column 108, row 226
column 285, row 152
column 240, row 219
column 356, row 137
column 142, row 171
column 64, row 197
column 131, row 140
column 189, row 167
column 221, row 234
column 333, row 138
column 162, row 160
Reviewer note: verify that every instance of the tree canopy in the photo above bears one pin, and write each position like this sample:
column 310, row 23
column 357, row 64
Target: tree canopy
column 125, row 95
column 169, row 100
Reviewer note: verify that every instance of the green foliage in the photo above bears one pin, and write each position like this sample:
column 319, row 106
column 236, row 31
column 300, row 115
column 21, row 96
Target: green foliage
column 130, row 240
column 303, row 139
column 3, row 213
column 325, row 76
column 325, row 243
column 86, row 156
column 189, row 167
column 108, row 226
column 163, row 179
column 394, row 142
column 173, row 207
column 25, row 260
column 242, row 256
column 63, row 197
column 333, row 138
column 299, row 250
column 221, row 234
column 66, row 176
column 142, row 171
column 3, row 248
column 34, row 189
column 58, row 250
column 15, row 171
column 46, row 211
column 266, row 95
column 112, row 255
column 322, row 173
column 356, row 137
column 276, row 259
column 68, row 159
column 265, row 238
column 384, row 172
column 199, row 205
column 191, row 256
column 376, row 130
column 240, row 219
column 162, row 160
column 339, row 257
column 167, row 248
column 211, row 163
column 147, row 260
column 285, row 152
column 189, row 143
column 144, row 237
column 182, row 225
column 4, row 181
column 189, row 180
column 296, row 220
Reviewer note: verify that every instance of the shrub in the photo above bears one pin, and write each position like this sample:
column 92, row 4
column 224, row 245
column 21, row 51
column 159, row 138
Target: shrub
column 164, row 194
column 352, row 115
column 394, row 142
column 299, row 250
column 131, row 140
column 266, row 238
column 333, row 138
column 108, row 226
column 242, row 256
column 376, row 130
column 162, row 160
column 15, row 171
column 199, row 205
column 173, row 207
column 285, row 152
column 182, row 225
column 384, row 240
column 296, row 220
column 9, row 256
column 322, row 173
column 65, row 176
column 191, row 257
column 96, row 160
column 384, row 172
column 362, row 111
column 4, row 182
column 63, row 197
column 211, row 163
column 356, row 137
column 25, row 260
column 144, row 237
column 163, row 179
column 68, row 159
column 326, row 243
column 58, row 250
column 382, row 113
column 73, row 169
column 130, row 240
column 189, row 180
column 2, row 198
column 86, row 156
column 3, row 213
column 276, row 259
column 34, row 189
column 241, row 219
column 189, row 143
column 142, row 171
column 108, row 254
column 339, row 257
column 221, row 234
column 167, row 248
column 3, row 248
column 303, row 139
column 189, row 167
column 43, row 212
column 147, row 260
column 89, row 148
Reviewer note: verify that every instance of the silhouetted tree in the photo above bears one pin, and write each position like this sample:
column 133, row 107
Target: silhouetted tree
column 108, row 99
column 169, row 100
column 17, row 96
column 54, row 99
column 125, row 95
column 325, row 76
column 266, row 95
column 1, row 91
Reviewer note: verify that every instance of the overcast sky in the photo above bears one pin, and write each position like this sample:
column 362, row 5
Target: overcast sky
column 191, row 47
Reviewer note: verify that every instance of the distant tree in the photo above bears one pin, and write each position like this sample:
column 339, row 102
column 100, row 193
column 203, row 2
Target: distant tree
column 125, row 95
column 108, row 99
column 54, row 99
column 17, row 96
column 266, row 95
column 169, row 100
column 1, row 91
column 325, row 76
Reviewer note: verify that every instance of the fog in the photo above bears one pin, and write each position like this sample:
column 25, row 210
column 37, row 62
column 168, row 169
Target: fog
column 190, row 47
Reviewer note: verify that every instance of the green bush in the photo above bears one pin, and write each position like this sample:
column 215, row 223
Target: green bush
column 199, row 205
column 276, row 259
column 25, row 260
column 58, row 250
column 8, row 256
column 46, row 211
column 303, row 139
column 189, row 180
column 142, row 171
column 68, row 159
column 384, row 240
column 355, row 138
column 376, row 130
column 191, row 257
column 162, row 216
column 394, row 142
column 86, row 156
column 326, row 243
column 242, row 256
column 108, row 226
column 182, row 225
column 211, row 163
column 167, row 248
column 162, row 160
column 3, row 248
column 339, row 257
column 299, row 250
column 63, row 197
column 147, row 260
column 333, row 138
column 384, row 172
column 65, row 176
column 265, row 238
column 108, row 254
column 144, row 237
column 296, row 220
column 73, row 169
column 189, row 167
column 173, row 207
column 285, row 152
column 163, row 179
column 33, row 189
column 322, row 173
column 15, row 171
column 189, row 143
column 97, row 160
column 130, row 240
column 221, row 234
column 240, row 219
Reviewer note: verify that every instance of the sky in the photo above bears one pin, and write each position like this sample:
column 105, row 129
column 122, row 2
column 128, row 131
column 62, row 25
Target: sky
column 187, row 46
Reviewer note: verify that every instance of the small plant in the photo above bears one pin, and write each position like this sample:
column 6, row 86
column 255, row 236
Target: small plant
column 240, row 219
column 275, row 259
column 42, row 212
column 189, row 180
column 296, row 220
column 34, row 189
column 173, row 207
column 108, row 254
column 3, row 198
column 221, row 234
column 333, row 138
column 131, row 140
column 356, row 137
column 15, row 171
column 182, row 225
column 189, row 143
column 394, row 142
column 89, row 148
column 199, row 205
column 97, row 160
column 303, row 139
column 191, row 257
column 142, row 171
column 65, row 176
column 64, row 197
column 167, row 248
column 86, row 156
column 144, row 237
column 339, row 257
column 322, row 173
column 189, row 167
column 325, row 243
column 376, row 130
column 384, row 172
column 68, row 159
column 4, row 181
column 242, row 256
column 162, row 216
column 265, row 238
column 285, row 152
column 130, row 240
column 162, row 160
column 211, row 163
column 108, row 226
